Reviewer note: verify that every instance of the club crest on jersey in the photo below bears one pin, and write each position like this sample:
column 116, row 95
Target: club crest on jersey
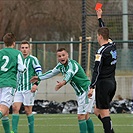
column 98, row 57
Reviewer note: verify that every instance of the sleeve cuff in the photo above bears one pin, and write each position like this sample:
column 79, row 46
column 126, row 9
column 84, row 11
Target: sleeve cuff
column 36, row 83
column 92, row 87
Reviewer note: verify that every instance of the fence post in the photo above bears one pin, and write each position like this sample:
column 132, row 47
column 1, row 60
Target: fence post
column 30, row 45
column 89, row 50
column 80, row 50
column 71, row 49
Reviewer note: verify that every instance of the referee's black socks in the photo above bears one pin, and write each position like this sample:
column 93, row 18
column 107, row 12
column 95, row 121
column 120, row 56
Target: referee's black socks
column 99, row 117
column 107, row 124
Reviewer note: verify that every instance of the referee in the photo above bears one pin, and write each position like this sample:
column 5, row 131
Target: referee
column 103, row 78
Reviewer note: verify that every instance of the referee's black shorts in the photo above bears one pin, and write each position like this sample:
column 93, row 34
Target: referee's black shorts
column 105, row 91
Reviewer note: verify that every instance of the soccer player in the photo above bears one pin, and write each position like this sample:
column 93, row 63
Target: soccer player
column 11, row 61
column 103, row 77
column 26, row 91
column 75, row 75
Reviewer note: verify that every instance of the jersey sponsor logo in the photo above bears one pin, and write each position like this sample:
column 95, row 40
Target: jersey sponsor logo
column 98, row 57
column 113, row 54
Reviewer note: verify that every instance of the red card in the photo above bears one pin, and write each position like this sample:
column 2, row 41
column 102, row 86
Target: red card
column 98, row 6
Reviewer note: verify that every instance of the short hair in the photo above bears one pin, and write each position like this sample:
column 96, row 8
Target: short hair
column 9, row 39
column 104, row 32
column 61, row 49
column 25, row 42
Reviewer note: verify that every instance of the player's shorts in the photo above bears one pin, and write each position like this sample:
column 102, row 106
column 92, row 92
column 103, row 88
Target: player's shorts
column 84, row 103
column 105, row 91
column 91, row 102
column 6, row 96
column 26, row 97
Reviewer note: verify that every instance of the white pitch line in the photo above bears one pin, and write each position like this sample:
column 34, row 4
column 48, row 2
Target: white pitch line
column 66, row 125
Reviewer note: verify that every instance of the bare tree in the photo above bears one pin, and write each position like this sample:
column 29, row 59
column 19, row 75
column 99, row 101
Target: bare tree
column 41, row 19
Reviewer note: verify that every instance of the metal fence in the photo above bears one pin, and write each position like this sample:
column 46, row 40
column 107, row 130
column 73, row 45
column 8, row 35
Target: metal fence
column 45, row 51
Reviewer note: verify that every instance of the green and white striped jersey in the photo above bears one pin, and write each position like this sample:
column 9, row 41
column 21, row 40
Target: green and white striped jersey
column 33, row 68
column 72, row 73
column 11, row 61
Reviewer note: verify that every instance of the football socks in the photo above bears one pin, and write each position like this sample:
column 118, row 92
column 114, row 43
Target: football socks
column 31, row 123
column 6, row 124
column 90, row 126
column 15, row 120
column 82, row 126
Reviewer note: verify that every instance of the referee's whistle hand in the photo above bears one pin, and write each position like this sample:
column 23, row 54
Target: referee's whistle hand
column 90, row 93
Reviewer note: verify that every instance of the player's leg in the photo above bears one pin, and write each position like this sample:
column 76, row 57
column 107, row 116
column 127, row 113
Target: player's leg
column 82, row 123
column 30, row 117
column 6, row 98
column 81, row 114
column 91, row 102
column 103, row 103
column 90, row 125
column 28, row 103
column 83, row 118
column 5, row 123
column 18, row 99
column 3, row 110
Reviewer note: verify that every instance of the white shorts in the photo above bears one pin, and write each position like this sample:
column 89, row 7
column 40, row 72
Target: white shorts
column 6, row 96
column 85, row 104
column 92, row 102
column 26, row 97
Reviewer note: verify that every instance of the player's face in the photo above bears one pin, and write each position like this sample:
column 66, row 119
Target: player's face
column 25, row 49
column 62, row 57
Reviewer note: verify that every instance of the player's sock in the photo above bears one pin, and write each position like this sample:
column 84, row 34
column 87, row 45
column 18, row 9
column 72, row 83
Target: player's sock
column 6, row 125
column 99, row 117
column 82, row 126
column 90, row 126
column 15, row 120
column 107, row 124
column 31, row 123
column 112, row 131
column 1, row 114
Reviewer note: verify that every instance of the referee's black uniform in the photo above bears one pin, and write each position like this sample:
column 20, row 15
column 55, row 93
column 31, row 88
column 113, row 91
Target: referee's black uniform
column 103, row 77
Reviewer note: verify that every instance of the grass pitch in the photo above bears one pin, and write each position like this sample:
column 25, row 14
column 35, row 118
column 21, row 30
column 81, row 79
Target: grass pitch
column 67, row 123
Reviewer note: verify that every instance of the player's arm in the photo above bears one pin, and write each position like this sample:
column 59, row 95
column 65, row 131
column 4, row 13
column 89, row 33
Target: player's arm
column 98, row 62
column 97, row 70
column 46, row 75
column 37, row 67
column 101, row 23
column 49, row 74
column 21, row 66
column 99, row 16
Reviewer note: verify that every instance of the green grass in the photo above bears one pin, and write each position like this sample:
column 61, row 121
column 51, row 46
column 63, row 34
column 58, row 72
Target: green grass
column 67, row 123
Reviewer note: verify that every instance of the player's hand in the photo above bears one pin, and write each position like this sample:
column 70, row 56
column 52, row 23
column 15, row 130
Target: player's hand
column 90, row 93
column 99, row 13
column 34, row 79
column 59, row 85
column 34, row 88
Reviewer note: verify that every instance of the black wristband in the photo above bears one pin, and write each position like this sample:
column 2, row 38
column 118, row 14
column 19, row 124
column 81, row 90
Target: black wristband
column 36, row 83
